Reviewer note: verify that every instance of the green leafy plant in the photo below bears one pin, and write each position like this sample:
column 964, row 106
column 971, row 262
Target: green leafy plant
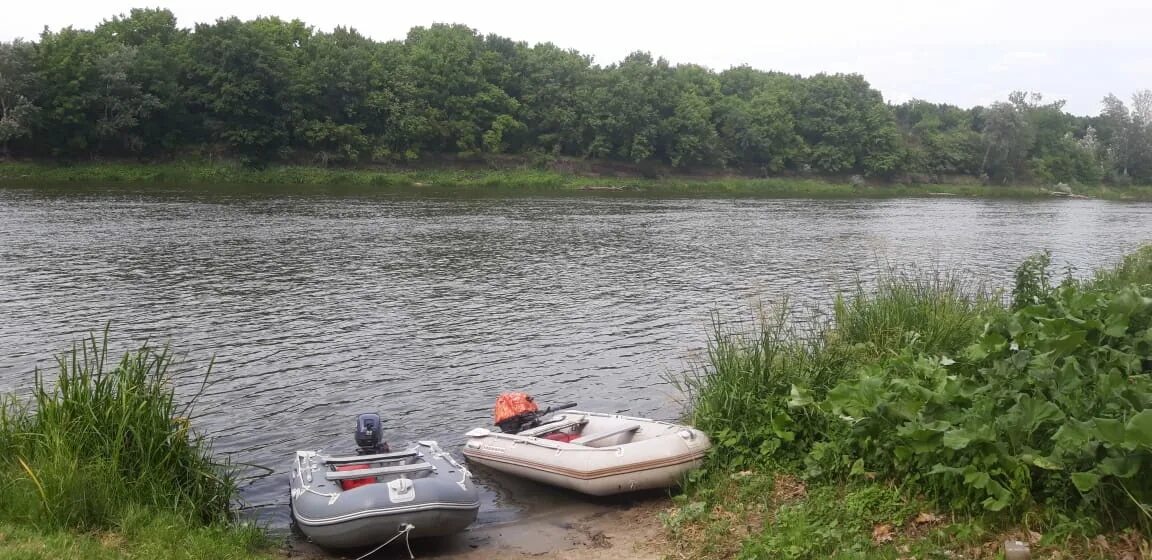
column 1039, row 410
column 1052, row 403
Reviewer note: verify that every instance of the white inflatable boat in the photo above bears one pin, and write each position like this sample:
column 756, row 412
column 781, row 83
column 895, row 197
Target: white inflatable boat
column 594, row 453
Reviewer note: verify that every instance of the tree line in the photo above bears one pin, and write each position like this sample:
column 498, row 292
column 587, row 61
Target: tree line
column 268, row 90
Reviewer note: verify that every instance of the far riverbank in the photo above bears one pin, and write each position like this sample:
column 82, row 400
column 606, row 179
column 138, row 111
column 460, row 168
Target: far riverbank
column 525, row 180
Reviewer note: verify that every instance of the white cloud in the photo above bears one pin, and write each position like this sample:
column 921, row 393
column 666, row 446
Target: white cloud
column 1015, row 60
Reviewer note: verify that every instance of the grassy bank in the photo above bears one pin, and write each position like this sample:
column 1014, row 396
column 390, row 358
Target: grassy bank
column 929, row 418
column 515, row 178
column 101, row 459
column 143, row 537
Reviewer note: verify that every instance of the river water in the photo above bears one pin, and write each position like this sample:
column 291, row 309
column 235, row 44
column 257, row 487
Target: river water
column 319, row 304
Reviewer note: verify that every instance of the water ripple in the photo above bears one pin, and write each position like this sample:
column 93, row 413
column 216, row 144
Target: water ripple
column 317, row 307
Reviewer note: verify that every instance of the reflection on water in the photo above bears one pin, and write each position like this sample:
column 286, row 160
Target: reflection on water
column 318, row 306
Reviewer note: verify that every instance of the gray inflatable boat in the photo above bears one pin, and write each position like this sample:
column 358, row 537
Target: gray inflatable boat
column 371, row 498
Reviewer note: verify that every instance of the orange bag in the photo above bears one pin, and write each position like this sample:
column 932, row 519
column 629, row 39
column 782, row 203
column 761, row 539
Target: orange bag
column 510, row 405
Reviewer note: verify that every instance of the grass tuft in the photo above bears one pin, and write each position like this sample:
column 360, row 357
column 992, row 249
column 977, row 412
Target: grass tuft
column 102, row 438
column 935, row 312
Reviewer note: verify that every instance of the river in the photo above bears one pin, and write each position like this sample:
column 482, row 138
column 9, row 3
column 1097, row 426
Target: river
column 318, row 304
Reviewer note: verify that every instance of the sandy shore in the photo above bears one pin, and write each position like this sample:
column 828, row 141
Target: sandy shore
column 629, row 530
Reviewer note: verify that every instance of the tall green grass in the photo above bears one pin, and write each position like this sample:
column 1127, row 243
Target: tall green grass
column 1135, row 268
column 102, row 438
column 737, row 395
column 741, row 393
column 934, row 311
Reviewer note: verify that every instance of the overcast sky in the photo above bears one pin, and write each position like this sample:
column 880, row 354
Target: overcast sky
column 963, row 52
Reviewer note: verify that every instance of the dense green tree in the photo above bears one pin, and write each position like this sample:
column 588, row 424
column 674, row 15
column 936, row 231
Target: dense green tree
column 1055, row 155
column 242, row 80
column 457, row 86
column 152, row 74
column 1142, row 135
column 627, row 105
column 847, row 127
column 91, row 103
column 555, row 97
column 755, row 118
column 18, row 81
column 690, row 133
column 644, row 109
column 339, row 74
column 1008, row 136
column 940, row 138
column 1127, row 137
column 265, row 90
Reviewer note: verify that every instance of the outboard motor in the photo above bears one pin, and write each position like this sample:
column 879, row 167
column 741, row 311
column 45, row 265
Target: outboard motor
column 516, row 412
column 369, row 435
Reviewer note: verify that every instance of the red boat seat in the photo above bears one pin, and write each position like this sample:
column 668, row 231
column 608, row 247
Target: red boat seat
column 561, row 436
column 354, row 482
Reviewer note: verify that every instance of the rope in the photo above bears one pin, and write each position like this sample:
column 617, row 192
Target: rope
column 305, row 487
column 404, row 530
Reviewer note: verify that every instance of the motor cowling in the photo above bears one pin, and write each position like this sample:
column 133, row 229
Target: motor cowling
column 515, row 412
column 369, row 434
